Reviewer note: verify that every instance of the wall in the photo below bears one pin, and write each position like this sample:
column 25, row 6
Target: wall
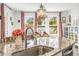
column 74, row 12
column 11, row 17
column 17, row 16
column 65, row 14
column 75, row 16
column 8, row 13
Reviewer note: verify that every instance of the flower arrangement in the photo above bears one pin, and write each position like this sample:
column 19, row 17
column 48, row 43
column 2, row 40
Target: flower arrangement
column 18, row 32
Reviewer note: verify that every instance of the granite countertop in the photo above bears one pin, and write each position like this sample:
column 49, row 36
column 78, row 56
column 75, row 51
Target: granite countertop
column 64, row 45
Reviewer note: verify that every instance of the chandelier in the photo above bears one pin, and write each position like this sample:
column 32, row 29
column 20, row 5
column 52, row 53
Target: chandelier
column 41, row 12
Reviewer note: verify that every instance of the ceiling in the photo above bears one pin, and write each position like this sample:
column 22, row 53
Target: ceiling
column 52, row 7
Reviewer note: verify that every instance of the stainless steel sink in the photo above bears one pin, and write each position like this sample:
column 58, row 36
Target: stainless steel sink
column 33, row 51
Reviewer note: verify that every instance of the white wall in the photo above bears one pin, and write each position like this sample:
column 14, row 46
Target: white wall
column 8, row 27
column 75, row 16
column 74, row 12
column 65, row 14
column 15, row 16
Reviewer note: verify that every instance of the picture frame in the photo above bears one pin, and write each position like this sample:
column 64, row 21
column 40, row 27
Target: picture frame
column 69, row 20
column 64, row 20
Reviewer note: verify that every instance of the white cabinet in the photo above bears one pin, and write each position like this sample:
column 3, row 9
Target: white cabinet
column 72, row 33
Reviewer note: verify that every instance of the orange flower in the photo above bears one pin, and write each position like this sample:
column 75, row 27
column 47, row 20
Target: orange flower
column 18, row 32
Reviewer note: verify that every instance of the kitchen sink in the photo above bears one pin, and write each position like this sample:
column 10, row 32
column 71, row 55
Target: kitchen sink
column 33, row 51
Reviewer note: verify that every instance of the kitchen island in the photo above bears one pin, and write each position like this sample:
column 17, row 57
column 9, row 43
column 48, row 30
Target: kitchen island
column 65, row 45
column 66, row 49
column 9, row 49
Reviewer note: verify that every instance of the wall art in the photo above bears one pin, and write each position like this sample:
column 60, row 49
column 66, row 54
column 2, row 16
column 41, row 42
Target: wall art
column 64, row 20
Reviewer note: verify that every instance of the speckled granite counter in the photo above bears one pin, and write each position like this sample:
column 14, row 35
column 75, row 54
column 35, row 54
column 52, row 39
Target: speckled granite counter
column 64, row 44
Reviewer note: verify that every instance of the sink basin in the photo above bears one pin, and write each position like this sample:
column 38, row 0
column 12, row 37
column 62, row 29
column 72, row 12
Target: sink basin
column 33, row 51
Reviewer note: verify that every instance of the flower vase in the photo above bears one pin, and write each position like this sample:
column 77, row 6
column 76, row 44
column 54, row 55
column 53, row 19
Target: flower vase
column 18, row 41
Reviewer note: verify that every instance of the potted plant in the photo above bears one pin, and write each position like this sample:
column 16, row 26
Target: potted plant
column 17, row 35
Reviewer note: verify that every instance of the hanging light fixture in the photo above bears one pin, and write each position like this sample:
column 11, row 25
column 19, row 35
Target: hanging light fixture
column 41, row 12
